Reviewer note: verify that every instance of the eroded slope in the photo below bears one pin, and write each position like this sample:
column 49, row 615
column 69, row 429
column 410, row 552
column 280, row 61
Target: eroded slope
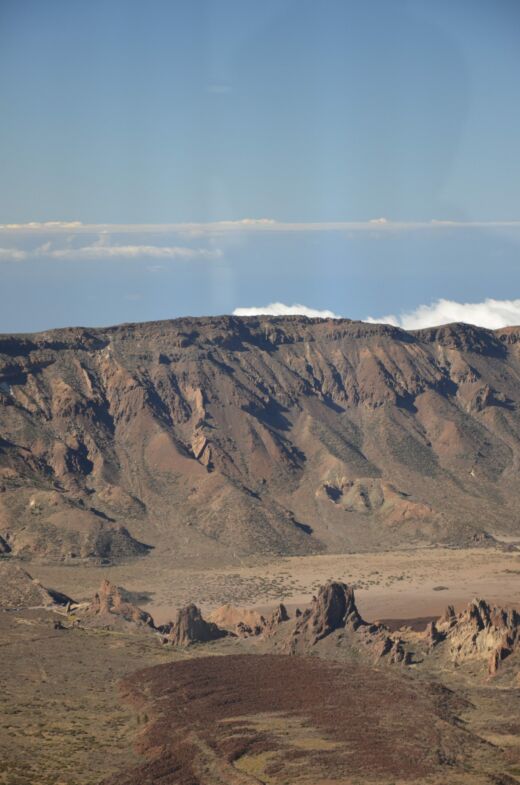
column 248, row 435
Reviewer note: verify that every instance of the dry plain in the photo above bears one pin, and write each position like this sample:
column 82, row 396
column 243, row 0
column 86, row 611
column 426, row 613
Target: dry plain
column 395, row 584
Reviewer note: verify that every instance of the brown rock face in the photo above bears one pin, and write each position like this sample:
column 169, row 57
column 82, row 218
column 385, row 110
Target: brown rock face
column 392, row 650
column 109, row 601
column 278, row 616
column 189, row 627
column 256, row 435
column 433, row 635
column 334, row 608
column 333, row 615
column 448, row 618
column 481, row 632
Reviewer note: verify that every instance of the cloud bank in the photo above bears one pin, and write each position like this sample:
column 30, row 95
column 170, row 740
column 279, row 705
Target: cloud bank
column 280, row 309
column 100, row 250
column 42, row 226
column 492, row 314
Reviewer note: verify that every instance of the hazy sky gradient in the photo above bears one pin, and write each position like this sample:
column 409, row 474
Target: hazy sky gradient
column 168, row 112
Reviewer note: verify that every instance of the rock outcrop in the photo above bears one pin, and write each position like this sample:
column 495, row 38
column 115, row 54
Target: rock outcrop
column 433, row 635
column 391, row 649
column 278, row 616
column 334, row 614
column 334, row 608
column 448, row 619
column 190, row 627
column 480, row 632
column 110, row 605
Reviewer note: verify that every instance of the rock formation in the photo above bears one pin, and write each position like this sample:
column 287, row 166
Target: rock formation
column 334, row 608
column 481, row 632
column 278, row 616
column 392, row 649
column 190, row 627
column 109, row 604
column 433, row 635
column 333, row 612
column 448, row 618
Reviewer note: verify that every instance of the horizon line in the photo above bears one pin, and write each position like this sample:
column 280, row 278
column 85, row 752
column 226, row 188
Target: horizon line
column 249, row 225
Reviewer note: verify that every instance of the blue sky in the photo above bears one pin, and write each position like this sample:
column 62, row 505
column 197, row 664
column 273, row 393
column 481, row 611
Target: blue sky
column 124, row 114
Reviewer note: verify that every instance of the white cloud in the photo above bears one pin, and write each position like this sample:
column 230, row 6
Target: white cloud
column 13, row 254
column 492, row 314
column 102, row 251
column 279, row 309
column 248, row 222
column 43, row 226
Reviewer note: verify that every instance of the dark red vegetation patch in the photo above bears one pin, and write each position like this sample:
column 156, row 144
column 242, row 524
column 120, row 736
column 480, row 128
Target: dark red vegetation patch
column 203, row 719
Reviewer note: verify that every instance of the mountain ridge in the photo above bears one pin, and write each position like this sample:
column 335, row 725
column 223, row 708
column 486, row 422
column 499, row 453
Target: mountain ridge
column 256, row 435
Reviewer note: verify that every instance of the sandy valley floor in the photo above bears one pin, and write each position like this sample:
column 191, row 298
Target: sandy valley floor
column 398, row 584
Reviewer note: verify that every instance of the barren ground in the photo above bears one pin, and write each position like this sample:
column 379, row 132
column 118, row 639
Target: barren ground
column 64, row 721
column 393, row 584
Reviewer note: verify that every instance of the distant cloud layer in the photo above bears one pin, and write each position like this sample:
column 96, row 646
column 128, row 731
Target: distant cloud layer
column 13, row 254
column 279, row 309
column 100, row 250
column 492, row 314
column 249, row 225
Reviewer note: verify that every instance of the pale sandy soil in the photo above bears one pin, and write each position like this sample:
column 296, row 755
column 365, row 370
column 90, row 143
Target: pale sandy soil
column 398, row 584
